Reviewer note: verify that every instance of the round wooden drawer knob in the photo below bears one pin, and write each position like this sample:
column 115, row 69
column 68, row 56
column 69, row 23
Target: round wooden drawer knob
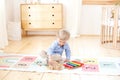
column 28, row 7
column 53, row 15
column 53, row 7
column 29, row 23
column 29, row 15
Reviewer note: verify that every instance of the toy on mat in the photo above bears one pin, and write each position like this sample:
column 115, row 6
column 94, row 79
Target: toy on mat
column 73, row 64
column 55, row 62
column 43, row 59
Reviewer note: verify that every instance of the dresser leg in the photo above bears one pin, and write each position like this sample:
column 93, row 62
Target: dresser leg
column 24, row 33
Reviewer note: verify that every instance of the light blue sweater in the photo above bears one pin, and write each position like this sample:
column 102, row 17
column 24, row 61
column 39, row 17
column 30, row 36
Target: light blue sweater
column 55, row 48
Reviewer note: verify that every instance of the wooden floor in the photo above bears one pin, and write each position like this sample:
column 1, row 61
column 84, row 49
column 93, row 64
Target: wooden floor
column 80, row 46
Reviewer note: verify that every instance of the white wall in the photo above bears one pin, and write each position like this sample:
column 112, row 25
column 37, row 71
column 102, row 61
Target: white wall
column 9, row 10
column 16, row 8
column 3, row 32
column 91, row 19
column 78, row 19
column 72, row 9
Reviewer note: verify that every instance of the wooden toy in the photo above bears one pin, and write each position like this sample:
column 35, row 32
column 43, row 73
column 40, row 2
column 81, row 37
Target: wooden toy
column 72, row 64
column 55, row 62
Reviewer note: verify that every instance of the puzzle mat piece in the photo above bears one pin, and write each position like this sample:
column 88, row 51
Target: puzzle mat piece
column 22, row 65
column 90, row 68
column 89, row 61
column 8, row 61
column 39, row 62
column 107, row 65
column 28, row 58
column 25, row 62
column 109, row 68
column 112, row 62
column 16, row 61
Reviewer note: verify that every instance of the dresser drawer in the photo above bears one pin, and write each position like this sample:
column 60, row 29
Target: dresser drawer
column 41, row 16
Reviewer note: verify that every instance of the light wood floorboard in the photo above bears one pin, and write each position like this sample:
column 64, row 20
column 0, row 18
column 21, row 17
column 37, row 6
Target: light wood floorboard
column 3, row 74
column 80, row 46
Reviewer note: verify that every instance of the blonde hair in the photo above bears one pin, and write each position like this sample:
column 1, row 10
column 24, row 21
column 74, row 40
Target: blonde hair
column 63, row 34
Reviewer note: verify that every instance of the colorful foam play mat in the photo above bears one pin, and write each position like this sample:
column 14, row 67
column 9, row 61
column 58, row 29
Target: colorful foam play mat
column 80, row 65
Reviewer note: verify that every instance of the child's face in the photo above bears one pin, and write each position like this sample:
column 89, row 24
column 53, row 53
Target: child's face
column 61, row 42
